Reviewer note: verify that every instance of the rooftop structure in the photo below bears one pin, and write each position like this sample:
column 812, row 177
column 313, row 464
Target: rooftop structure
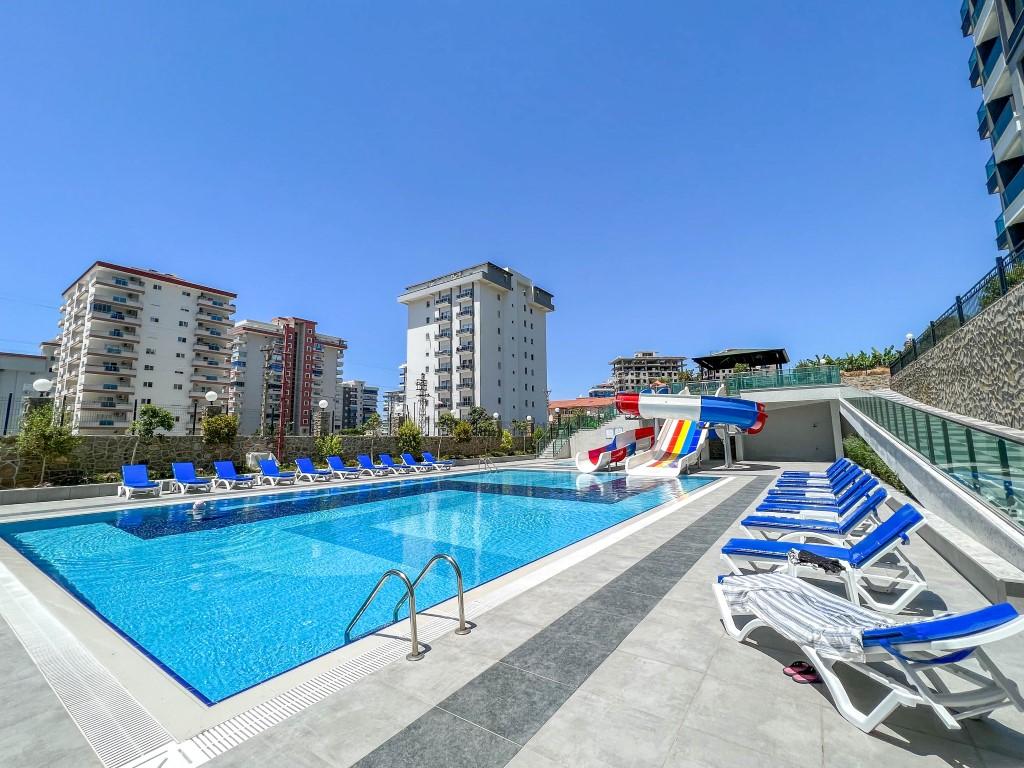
column 719, row 365
column 478, row 337
column 133, row 336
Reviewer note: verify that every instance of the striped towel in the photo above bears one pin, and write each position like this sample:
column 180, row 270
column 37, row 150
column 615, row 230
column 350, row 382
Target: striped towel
column 805, row 614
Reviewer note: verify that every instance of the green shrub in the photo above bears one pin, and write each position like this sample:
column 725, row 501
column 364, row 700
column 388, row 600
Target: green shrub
column 462, row 432
column 328, row 445
column 508, row 445
column 860, row 453
column 220, row 429
column 408, row 438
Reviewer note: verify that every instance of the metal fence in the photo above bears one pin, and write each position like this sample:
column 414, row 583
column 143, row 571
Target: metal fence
column 1008, row 272
column 810, row 376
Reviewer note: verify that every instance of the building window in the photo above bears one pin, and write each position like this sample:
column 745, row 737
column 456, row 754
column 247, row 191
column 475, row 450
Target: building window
column 157, row 287
column 150, row 351
column 147, row 384
column 177, row 386
column 182, row 339
column 147, row 367
column 183, row 323
column 185, row 293
column 180, row 354
column 154, row 319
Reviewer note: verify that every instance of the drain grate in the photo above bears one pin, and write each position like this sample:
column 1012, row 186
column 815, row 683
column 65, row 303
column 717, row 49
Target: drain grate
column 118, row 728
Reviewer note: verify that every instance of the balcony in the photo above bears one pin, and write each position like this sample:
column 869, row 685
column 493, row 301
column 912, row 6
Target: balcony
column 966, row 18
column 444, row 386
column 204, row 331
column 984, row 124
column 443, row 317
column 111, row 316
column 216, row 319
column 443, row 351
column 465, row 366
column 120, row 353
column 109, row 389
column 993, row 68
column 443, row 404
column 1002, row 122
column 201, row 363
column 206, row 378
column 465, row 349
column 110, row 370
column 1012, row 191
column 1002, row 236
column 225, row 306
column 466, row 384
column 992, row 177
column 462, row 296
column 116, row 300
column 105, row 405
column 446, row 299
column 120, row 283
column 117, row 421
column 974, row 66
column 444, row 334
column 202, row 346
column 465, row 330
column 444, row 370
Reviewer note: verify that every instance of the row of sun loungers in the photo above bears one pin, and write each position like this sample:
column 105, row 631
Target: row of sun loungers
column 831, row 524
column 135, row 477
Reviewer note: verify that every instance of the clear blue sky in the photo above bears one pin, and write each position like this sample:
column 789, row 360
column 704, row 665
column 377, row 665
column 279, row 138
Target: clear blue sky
column 683, row 176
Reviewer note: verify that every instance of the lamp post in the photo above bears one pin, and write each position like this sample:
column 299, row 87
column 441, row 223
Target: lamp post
column 318, row 427
column 558, row 415
column 42, row 387
column 529, row 431
column 497, row 421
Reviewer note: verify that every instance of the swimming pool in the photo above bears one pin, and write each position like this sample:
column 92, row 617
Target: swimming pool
column 246, row 588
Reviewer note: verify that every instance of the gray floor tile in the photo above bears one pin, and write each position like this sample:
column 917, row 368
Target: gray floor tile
column 441, row 740
column 508, row 701
column 567, row 659
column 586, row 622
column 651, row 686
column 696, row 749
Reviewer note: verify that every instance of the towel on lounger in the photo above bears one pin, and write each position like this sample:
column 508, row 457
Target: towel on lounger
column 803, row 613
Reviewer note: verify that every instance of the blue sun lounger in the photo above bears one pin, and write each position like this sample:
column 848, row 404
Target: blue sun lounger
column 833, row 469
column 808, row 506
column 338, row 468
column 185, row 478
column 374, row 470
column 428, row 458
column 398, row 469
column 860, row 519
column 916, row 661
column 885, row 541
column 309, row 473
column 409, row 461
column 834, row 485
column 229, row 477
column 135, row 479
column 271, row 473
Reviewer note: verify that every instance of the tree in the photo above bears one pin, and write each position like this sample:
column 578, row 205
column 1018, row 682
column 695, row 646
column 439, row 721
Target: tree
column 220, row 429
column 520, row 426
column 462, row 432
column 372, row 427
column 40, row 437
column 151, row 418
column 446, row 423
column 480, row 421
column 855, row 361
column 328, row 445
column 740, row 368
column 508, row 446
column 408, row 438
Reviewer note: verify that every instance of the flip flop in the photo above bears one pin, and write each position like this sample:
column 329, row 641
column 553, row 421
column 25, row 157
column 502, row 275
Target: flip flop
column 807, row 678
column 797, row 668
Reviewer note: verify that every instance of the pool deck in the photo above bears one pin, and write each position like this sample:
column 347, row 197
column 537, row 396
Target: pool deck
column 620, row 660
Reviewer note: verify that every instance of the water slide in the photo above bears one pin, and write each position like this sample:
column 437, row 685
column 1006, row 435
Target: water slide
column 623, row 445
column 688, row 418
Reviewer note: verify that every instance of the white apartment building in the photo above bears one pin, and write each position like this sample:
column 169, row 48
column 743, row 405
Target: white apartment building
column 643, row 369
column 477, row 337
column 359, row 401
column 280, row 371
column 132, row 336
column 394, row 402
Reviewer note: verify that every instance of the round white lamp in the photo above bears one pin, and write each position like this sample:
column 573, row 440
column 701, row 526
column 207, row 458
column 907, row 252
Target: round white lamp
column 495, row 415
column 42, row 386
column 211, row 396
column 909, row 337
column 323, row 404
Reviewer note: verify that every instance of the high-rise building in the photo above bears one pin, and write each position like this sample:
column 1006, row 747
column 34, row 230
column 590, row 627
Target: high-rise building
column 476, row 337
column 133, row 336
column 359, row 401
column 50, row 350
column 17, row 372
column 645, row 369
column 281, row 371
column 997, row 27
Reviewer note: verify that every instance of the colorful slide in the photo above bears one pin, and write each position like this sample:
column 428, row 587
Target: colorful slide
column 623, row 445
column 684, row 432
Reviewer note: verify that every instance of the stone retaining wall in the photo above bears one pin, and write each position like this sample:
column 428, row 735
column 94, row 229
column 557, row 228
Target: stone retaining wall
column 98, row 457
column 876, row 378
column 977, row 371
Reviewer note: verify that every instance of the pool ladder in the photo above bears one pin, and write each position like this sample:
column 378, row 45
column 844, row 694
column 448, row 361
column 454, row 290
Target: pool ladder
column 410, row 594
column 486, row 464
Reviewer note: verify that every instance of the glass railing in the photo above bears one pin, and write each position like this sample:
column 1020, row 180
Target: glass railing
column 966, row 22
column 816, row 376
column 979, row 6
column 1004, row 119
column 987, row 464
column 975, row 68
column 1014, row 188
column 992, row 59
column 992, row 181
column 984, row 128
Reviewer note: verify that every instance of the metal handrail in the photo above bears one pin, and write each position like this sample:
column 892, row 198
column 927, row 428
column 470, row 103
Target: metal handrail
column 463, row 629
column 486, row 463
column 410, row 591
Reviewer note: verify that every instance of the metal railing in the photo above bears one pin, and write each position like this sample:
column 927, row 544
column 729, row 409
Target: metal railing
column 1008, row 272
column 415, row 654
column 988, row 464
column 808, row 376
column 459, row 592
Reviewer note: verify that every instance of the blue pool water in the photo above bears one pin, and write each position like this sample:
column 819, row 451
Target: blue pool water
column 248, row 588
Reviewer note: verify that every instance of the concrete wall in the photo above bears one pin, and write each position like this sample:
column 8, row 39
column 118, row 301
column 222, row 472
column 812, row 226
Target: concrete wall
column 977, row 371
column 799, row 432
column 877, row 378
